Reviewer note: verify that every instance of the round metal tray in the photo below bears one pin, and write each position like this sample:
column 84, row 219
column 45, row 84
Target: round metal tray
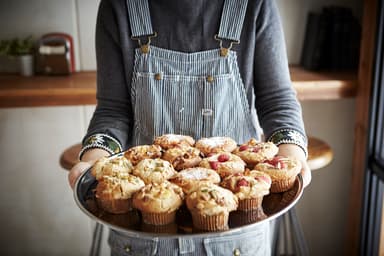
column 274, row 205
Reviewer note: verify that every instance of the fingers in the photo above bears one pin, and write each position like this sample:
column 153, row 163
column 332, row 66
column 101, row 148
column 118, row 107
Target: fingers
column 76, row 171
column 306, row 174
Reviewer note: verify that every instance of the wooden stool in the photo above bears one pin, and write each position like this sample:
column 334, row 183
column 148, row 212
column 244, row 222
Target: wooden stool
column 67, row 160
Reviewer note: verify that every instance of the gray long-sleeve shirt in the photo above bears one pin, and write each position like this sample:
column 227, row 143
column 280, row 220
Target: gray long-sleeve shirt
column 190, row 26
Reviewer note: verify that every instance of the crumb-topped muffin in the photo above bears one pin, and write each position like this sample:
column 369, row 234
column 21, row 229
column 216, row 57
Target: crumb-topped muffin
column 253, row 151
column 168, row 141
column 249, row 191
column 282, row 170
column 158, row 202
column 154, row 170
column 224, row 163
column 114, row 166
column 215, row 145
column 189, row 179
column 210, row 205
column 140, row 152
column 182, row 157
column 113, row 194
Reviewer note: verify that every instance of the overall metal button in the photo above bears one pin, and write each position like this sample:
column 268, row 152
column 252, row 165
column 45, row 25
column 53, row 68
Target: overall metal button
column 236, row 252
column 158, row 76
column 127, row 248
column 209, row 79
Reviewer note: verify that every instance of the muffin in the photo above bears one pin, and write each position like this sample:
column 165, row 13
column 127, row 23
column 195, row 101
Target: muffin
column 282, row 170
column 210, row 205
column 253, row 152
column 168, row 141
column 138, row 153
column 114, row 166
column 215, row 145
column 182, row 157
column 189, row 179
column 224, row 163
column 113, row 194
column 154, row 170
column 158, row 203
column 250, row 191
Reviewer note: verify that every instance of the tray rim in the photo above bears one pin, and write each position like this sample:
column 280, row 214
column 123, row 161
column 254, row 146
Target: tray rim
column 192, row 235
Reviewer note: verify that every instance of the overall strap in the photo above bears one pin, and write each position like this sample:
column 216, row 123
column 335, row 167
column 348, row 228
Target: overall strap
column 140, row 21
column 139, row 18
column 231, row 23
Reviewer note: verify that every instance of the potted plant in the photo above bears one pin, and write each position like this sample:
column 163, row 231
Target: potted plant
column 22, row 50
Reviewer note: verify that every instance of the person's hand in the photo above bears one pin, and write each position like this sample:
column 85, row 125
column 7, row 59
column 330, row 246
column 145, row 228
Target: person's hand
column 292, row 150
column 88, row 159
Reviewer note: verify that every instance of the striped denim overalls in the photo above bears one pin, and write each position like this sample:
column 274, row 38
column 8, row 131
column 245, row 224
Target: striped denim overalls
column 198, row 94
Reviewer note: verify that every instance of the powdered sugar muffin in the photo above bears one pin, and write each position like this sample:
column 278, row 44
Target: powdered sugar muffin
column 168, row 141
column 158, row 202
column 138, row 153
column 215, row 144
column 182, row 157
column 224, row 163
column 114, row 166
column 210, row 206
column 113, row 194
column 154, row 170
column 254, row 152
column 282, row 170
column 249, row 191
column 189, row 179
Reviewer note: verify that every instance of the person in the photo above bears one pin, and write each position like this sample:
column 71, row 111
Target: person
column 200, row 68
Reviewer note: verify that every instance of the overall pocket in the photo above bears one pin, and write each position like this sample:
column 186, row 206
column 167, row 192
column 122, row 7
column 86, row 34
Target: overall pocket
column 130, row 245
column 249, row 243
column 199, row 106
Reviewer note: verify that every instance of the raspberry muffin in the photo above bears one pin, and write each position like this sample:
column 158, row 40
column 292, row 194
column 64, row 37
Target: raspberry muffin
column 158, row 203
column 224, row 163
column 154, row 170
column 168, row 141
column 113, row 194
column 282, row 170
column 189, row 179
column 138, row 153
column 182, row 157
column 249, row 191
column 253, row 152
column 215, row 145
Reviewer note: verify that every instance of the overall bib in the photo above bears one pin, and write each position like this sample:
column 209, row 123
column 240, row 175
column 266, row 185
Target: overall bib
column 199, row 94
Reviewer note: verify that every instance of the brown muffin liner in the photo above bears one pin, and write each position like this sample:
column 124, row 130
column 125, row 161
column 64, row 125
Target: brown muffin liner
column 170, row 228
column 250, row 203
column 240, row 218
column 158, row 218
column 282, row 185
column 210, row 223
column 115, row 206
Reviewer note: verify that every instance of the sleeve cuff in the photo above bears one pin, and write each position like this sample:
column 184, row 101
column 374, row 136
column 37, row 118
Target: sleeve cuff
column 290, row 136
column 102, row 141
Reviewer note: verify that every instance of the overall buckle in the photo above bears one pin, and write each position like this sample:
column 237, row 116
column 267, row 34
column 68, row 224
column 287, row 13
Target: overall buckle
column 224, row 50
column 144, row 47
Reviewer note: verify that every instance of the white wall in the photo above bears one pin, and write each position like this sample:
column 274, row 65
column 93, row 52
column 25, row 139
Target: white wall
column 38, row 215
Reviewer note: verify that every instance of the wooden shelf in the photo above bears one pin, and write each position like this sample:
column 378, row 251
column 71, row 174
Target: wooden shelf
column 323, row 85
column 80, row 88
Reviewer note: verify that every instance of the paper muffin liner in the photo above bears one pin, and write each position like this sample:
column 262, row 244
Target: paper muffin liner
column 210, row 223
column 282, row 185
column 158, row 218
column 115, row 206
column 170, row 228
column 240, row 218
column 250, row 203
